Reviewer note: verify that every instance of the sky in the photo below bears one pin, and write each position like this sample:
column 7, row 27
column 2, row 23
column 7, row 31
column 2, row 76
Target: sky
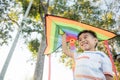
column 58, row 70
column 20, row 67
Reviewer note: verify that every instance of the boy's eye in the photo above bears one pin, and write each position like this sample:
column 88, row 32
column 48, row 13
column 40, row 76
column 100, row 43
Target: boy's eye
column 85, row 37
column 79, row 39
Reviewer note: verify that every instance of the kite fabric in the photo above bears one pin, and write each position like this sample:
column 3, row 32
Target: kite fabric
column 55, row 26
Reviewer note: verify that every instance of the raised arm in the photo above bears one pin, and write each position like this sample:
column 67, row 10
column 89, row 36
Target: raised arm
column 65, row 49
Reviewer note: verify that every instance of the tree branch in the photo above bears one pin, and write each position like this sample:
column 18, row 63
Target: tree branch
column 34, row 30
column 40, row 11
column 13, row 21
column 46, row 10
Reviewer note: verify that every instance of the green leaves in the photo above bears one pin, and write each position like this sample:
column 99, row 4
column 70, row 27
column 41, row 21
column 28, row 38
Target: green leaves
column 80, row 10
column 34, row 46
column 8, row 20
column 68, row 62
column 5, row 31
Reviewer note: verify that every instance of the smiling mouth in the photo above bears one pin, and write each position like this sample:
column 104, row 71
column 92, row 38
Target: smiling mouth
column 84, row 44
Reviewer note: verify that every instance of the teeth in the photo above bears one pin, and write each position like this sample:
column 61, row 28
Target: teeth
column 84, row 44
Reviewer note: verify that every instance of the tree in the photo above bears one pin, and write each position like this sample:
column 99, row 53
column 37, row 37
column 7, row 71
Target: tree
column 9, row 17
column 42, row 9
column 79, row 10
column 6, row 21
column 33, row 46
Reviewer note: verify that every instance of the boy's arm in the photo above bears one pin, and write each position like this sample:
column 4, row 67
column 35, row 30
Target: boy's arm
column 65, row 48
column 108, row 77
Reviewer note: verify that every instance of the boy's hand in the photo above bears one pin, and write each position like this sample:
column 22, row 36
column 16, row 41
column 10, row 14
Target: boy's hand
column 64, row 36
column 65, row 48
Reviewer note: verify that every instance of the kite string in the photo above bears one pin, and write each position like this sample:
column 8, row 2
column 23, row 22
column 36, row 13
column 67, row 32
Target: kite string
column 110, row 55
column 49, row 68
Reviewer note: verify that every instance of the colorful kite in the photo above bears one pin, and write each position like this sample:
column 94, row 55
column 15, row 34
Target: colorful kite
column 55, row 26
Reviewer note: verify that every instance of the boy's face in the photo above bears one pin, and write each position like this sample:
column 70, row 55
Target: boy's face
column 87, row 42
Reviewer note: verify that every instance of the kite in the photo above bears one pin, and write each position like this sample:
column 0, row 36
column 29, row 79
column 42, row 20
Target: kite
column 55, row 26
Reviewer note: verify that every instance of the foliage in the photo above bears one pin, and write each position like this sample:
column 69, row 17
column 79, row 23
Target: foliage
column 81, row 10
column 118, row 65
column 31, row 26
column 118, row 41
column 34, row 46
column 87, row 11
column 35, row 9
column 97, row 17
column 67, row 60
column 9, row 15
column 4, row 33
column 118, row 68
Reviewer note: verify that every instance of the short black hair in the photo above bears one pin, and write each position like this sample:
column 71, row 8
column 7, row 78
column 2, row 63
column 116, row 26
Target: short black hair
column 87, row 31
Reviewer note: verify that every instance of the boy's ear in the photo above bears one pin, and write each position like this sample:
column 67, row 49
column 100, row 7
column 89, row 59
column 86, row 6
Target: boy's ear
column 96, row 39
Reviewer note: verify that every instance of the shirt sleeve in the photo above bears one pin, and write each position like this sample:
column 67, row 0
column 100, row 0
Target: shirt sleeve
column 74, row 52
column 107, row 65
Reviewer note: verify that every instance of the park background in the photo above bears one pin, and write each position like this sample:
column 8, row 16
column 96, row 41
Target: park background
column 27, row 60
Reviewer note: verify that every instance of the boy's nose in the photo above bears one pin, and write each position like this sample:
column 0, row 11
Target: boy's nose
column 83, row 40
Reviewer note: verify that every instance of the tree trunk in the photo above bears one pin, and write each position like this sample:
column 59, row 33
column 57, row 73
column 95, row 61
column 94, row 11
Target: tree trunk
column 40, row 61
column 38, row 75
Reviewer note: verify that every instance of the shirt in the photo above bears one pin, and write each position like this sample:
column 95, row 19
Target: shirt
column 92, row 65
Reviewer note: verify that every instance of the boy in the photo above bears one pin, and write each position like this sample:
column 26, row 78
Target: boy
column 91, row 64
